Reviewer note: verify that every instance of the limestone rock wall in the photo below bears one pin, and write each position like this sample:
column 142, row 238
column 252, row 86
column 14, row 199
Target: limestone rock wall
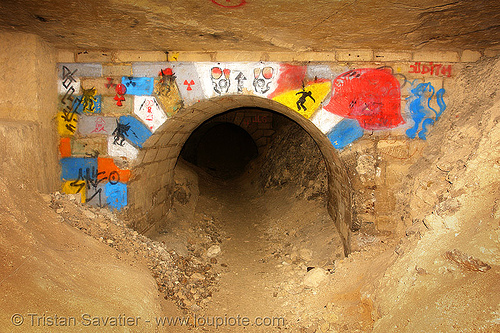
column 27, row 108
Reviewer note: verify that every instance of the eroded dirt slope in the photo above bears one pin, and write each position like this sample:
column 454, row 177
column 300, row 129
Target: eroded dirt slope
column 49, row 269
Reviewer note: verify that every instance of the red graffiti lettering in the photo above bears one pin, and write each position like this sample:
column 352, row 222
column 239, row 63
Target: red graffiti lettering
column 430, row 68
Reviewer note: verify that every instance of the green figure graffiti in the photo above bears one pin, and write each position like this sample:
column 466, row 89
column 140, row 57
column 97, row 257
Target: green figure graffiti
column 88, row 100
column 302, row 99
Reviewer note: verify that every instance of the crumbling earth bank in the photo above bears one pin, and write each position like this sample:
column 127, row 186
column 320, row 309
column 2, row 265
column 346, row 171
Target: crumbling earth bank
column 445, row 277
column 48, row 268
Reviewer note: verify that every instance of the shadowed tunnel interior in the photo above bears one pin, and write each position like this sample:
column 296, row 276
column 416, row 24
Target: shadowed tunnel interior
column 221, row 149
column 253, row 154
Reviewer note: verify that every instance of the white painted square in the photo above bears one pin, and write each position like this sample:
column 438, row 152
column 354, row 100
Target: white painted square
column 149, row 111
column 125, row 150
column 325, row 120
column 70, row 85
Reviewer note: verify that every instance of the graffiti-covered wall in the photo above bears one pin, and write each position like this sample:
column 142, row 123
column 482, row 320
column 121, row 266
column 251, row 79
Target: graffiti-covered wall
column 108, row 110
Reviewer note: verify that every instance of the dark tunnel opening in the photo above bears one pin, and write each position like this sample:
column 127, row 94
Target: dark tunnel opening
column 221, row 149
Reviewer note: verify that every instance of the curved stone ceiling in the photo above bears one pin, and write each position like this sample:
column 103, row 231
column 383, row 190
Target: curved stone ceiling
column 257, row 25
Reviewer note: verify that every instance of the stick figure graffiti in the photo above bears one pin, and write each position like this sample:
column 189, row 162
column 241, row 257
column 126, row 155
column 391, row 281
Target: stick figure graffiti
column 302, row 99
column 240, row 78
column 120, row 132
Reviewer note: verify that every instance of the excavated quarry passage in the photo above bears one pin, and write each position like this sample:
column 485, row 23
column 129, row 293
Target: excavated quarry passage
column 275, row 242
column 270, row 242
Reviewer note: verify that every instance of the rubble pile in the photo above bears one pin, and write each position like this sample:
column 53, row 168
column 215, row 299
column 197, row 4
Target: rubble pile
column 188, row 279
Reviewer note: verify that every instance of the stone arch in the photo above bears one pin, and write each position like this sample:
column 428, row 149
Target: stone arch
column 151, row 186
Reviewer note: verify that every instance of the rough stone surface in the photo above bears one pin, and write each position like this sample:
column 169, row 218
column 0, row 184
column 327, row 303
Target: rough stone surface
column 315, row 277
column 293, row 157
column 321, row 26
column 27, row 107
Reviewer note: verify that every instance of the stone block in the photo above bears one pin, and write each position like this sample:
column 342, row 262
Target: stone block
column 79, row 70
column 151, row 170
column 117, row 70
column 140, row 56
column 125, row 150
column 235, row 56
column 354, row 55
column 163, row 154
column 278, row 56
column 261, row 142
column 191, row 56
column 94, row 146
column 109, row 106
column 391, row 56
column 178, row 138
column 150, row 155
column 436, row 56
column 95, row 125
column 96, row 195
column 93, row 56
column 152, row 141
column 314, row 57
column 491, row 52
column 470, row 56
column 66, row 56
column 149, row 69
column 437, row 83
column 165, row 138
column 101, row 85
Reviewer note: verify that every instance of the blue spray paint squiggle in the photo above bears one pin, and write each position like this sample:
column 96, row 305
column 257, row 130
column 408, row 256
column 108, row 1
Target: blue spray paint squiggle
column 421, row 111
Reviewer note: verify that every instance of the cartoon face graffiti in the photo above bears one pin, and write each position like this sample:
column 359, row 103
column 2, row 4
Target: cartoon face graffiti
column 262, row 79
column 166, row 82
column 220, row 80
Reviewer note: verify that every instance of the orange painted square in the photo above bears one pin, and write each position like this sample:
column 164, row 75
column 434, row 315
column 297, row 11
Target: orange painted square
column 65, row 147
column 108, row 166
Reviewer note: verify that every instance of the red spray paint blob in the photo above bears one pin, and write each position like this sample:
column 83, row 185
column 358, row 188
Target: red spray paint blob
column 371, row 96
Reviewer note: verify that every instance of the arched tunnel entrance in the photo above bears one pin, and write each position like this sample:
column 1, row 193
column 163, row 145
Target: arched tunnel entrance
column 195, row 134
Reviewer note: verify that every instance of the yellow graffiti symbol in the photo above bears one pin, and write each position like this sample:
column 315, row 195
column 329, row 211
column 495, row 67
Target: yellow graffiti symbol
column 66, row 123
column 308, row 99
column 174, row 56
column 169, row 99
column 74, row 187
column 89, row 100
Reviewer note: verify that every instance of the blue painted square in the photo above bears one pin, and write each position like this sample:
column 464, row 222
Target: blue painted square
column 345, row 132
column 71, row 167
column 133, row 130
column 93, row 106
column 138, row 85
column 116, row 195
